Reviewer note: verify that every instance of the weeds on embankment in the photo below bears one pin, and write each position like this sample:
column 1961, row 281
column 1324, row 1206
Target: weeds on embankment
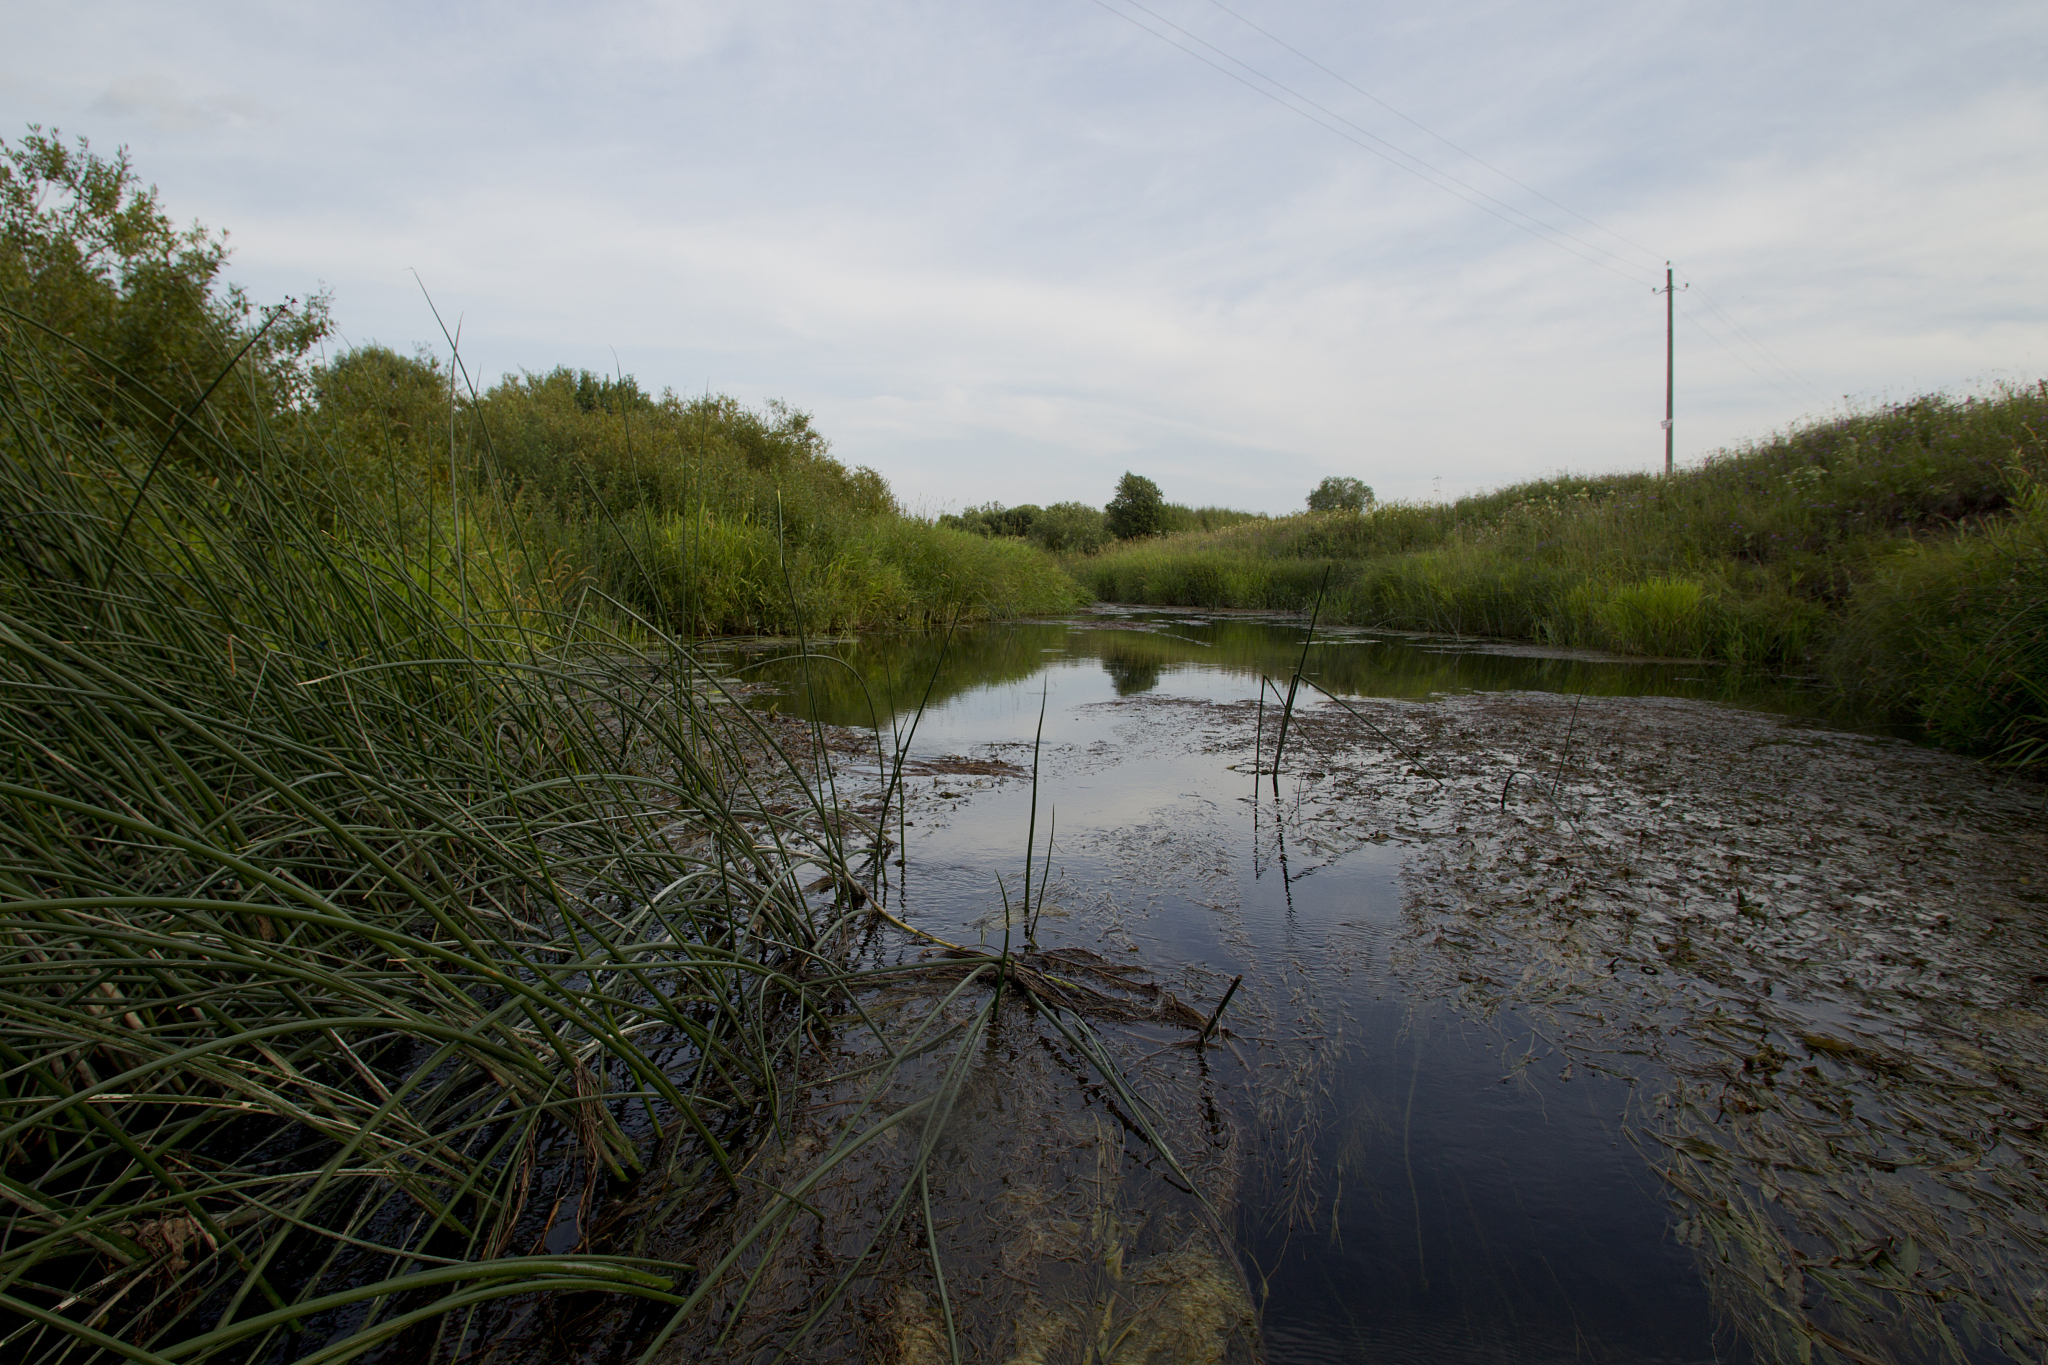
column 373, row 919
column 1900, row 554
column 396, row 930
column 362, row 917
column 706, row 517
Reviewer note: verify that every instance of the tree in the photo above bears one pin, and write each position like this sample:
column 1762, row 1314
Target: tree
column 1138, row 509
column 87, row 251
column 1339, row 494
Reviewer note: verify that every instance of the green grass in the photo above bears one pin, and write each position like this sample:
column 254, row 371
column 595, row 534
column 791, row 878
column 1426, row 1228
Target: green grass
column 398, row 922
column 1897, row 553
column 371, row 893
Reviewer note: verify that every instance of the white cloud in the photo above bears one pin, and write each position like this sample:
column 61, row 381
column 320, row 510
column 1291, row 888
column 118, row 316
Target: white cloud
column 1007, row 252
column 159, row 101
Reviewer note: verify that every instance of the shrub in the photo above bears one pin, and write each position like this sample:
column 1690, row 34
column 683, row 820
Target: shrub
column 87, row 251
column 1070, row 528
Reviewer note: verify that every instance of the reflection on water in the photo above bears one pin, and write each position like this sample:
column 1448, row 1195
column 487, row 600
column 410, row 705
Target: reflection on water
column 1510, row 1075
column 894, row 674
column 1133, row 671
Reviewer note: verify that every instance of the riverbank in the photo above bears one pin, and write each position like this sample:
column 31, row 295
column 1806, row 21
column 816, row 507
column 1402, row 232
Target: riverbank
column 1899, row 555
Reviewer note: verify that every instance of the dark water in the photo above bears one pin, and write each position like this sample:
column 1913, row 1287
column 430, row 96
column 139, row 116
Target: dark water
column 1471, row 1204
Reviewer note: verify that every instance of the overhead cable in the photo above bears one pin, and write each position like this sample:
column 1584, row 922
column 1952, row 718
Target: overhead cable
column 1418, row 124
column 1554, row 236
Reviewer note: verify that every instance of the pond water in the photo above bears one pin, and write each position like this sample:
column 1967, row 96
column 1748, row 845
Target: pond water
column 1463, row 1133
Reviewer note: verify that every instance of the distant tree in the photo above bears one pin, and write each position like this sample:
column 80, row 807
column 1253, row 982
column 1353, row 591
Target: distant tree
column 1339, row 494
column 1138, row 509
column 994, row 519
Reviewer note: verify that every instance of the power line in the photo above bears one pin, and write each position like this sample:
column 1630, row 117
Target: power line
column 1736, row 327
column 1769, row 355
column 1552, row 234
column 1436, row 177
column 1707, row 332
column 1418, row 124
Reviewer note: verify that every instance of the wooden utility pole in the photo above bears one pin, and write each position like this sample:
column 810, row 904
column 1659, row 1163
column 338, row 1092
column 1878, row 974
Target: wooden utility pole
column 1670, row 302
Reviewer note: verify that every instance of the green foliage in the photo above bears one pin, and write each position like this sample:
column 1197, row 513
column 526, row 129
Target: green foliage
column 1137, row 510
column 1890, row 549
column 1062, row 528
column 87, row 252
column 328, row 847
column 1070, row 528
column 1958, row 628
column 1177, row 517
column 371, row 892
column 994, row 519
column 702, row 516
column 1075, row 528
column 1339, row 494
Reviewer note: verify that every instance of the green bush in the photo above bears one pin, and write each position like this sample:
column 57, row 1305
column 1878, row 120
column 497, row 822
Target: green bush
column 1339, row 494
column 1069, row 528
column 1957, row 629
column 121, row 298
column 702, row 516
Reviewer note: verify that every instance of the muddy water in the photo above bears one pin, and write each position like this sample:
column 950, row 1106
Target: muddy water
column 1592, row 1009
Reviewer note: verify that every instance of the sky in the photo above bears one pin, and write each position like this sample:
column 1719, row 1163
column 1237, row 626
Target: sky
column 1007, row 251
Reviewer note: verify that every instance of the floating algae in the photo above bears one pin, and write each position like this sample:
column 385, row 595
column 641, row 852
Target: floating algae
column 1819, row 955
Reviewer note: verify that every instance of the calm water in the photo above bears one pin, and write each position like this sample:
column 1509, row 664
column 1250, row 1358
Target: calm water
column 1473, row 1208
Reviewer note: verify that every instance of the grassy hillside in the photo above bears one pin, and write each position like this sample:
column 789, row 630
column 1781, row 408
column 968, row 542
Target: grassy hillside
column 1901, row 554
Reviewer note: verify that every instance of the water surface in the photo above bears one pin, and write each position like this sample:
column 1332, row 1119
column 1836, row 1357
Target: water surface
column 1442, row 1182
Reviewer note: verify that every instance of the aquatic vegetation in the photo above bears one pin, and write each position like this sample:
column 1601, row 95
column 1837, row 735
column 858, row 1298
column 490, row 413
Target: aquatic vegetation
column 1824, row 992
column 1776, row 982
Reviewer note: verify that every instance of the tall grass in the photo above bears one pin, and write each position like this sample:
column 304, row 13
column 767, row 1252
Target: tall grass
column 1867, row 549
column 371, row 913
column 707, row 517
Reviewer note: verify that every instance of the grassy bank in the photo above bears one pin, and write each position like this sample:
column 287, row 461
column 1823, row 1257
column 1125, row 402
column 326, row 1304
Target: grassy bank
column 1902, row 554
column 702, row 516
column 397, row 923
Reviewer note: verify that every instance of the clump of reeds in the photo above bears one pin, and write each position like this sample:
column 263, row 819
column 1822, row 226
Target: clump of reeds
column 367, row 912
column 358, row 909
column 377, row 904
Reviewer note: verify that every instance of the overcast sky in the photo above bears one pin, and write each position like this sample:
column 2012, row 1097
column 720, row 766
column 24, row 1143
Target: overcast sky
column 1009, row 250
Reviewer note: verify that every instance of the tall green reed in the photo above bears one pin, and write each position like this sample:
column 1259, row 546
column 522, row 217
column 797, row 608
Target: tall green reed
column 376, row 906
